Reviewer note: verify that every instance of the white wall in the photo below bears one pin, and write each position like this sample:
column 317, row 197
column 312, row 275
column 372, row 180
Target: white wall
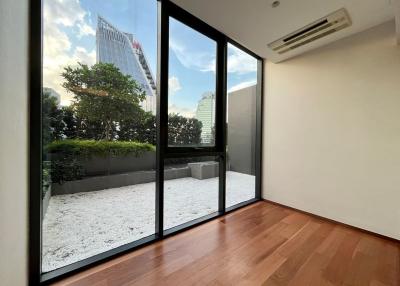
column 13, row 142
column 332, row 131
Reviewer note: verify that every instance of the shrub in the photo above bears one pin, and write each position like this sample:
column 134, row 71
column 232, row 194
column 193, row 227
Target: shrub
column 89, row 148
column 67, row 155
column 66, row 167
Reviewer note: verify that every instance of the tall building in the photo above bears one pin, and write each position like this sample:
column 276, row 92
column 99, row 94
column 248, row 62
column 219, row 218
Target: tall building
column 205, row 113
column 125, row 52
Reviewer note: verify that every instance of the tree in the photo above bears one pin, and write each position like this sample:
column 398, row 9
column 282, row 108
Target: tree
column 183, row 131
column 52, row 119
column 106, row 106
column 71, row 123
column 212, row 140
column 103, row 95
column 140, row 129
column 58, row 122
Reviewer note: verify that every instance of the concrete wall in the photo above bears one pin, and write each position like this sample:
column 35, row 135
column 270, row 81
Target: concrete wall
column 98, row 183
column 242, row 130
column 13, row 142
column 120, row 164
column 332, row 131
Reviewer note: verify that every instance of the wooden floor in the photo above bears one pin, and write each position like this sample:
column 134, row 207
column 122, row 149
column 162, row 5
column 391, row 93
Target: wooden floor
column 262, row 244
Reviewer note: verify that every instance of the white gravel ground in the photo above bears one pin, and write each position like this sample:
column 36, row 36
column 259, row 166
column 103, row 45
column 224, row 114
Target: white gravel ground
column 81, row 225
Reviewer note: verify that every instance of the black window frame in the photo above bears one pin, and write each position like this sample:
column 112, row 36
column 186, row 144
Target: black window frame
column 166, row 9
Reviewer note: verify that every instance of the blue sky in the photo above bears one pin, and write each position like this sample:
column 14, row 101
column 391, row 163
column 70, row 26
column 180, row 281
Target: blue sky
column 69, row 36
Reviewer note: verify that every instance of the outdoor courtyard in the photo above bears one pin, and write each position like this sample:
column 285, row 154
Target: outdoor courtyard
column 78, row 226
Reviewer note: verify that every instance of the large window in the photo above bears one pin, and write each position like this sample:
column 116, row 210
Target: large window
column 98, row 126
column 191, row 86
column 144, row 121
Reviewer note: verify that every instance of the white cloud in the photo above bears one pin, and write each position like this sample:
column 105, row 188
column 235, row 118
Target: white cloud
column 240, row 62
column 58, row 50
column 242, row 85
column 66, row 13
column 54, row 65
column 191, row 58
column 173, row 85
column 183, row 111
column 86, row 30
column 83, row 56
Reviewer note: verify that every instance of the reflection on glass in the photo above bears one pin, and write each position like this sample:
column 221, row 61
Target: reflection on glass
column 190, row 189
column 241, row 122
column 98, row 127
column 191, row 91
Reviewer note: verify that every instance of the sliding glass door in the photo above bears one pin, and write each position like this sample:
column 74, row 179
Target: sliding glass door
column 144, row 121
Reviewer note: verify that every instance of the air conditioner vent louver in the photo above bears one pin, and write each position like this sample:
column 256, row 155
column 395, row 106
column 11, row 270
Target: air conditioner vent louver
column 321, row 28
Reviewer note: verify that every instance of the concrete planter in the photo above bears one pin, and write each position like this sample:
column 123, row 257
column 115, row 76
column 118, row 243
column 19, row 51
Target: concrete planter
column 115, row 181
column 114, row 172
column 119, row 164
column 204, row 170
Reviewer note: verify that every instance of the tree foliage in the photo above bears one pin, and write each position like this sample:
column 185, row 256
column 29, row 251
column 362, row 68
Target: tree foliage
column 183, row 131
column 106, row 107
column 103, row 95
column 58, row 122
column 51, row 118
column 141, row 128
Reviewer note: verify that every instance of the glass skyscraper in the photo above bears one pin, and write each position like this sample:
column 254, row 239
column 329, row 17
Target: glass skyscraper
column 205, row 113
column 125, row 52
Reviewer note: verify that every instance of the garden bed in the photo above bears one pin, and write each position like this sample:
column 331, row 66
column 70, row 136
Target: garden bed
column 73, row 160
column 97, row 183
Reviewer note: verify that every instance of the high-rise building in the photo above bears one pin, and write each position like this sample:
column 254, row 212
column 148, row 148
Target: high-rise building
column 205, row 113
column 125, row 52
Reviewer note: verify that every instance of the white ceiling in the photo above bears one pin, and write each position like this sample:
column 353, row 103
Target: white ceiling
column 254, row 23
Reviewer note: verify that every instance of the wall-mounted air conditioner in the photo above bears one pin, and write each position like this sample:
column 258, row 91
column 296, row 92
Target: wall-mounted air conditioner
column 319, row 29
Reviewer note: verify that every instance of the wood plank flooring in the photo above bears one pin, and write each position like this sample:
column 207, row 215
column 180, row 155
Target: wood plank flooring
column 262, row 244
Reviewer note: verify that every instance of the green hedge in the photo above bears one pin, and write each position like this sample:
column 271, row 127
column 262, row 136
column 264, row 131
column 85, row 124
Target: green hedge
column 88, row 148
column 66, row 165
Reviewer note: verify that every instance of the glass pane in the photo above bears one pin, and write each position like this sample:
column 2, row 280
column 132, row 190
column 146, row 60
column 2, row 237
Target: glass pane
column 191, row 92
column 241, row 122
column 98, row 127
column 190, row 189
